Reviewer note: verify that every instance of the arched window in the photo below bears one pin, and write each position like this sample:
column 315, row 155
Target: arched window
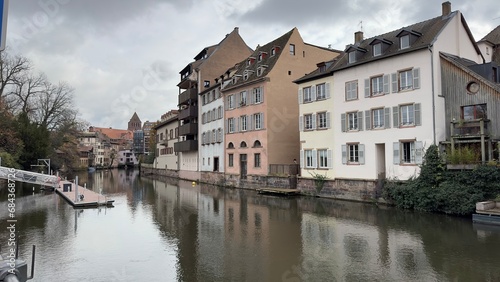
column 243, row 144
column 257, row 144
column 230, row 145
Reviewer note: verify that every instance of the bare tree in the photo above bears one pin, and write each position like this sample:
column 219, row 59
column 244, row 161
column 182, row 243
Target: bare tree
column 55, row 106
column 26, row 87
column 12, row 68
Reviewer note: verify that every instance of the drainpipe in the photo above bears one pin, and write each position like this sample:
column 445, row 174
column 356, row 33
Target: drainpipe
column 433, row 97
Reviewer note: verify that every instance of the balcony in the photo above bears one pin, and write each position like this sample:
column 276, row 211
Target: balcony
column 188, row 129
column 191, row 112
column 186, row 96
column 186, row 146
column 463, row 129
column 164, row 142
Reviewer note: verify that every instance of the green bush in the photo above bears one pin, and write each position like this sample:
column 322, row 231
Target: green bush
column 439, row 190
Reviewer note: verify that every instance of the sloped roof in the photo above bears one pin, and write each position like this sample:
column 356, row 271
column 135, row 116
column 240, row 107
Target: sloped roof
column 464, row 64
column 135, row 117
column 115, row 133
column 428, row 31
column 269, row 61
column 318, row 73
column 493, row 36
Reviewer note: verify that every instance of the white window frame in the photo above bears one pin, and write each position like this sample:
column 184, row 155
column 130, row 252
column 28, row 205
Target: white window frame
column 307, row 94
column 352, row 121
column 243, row 123
column 324, row 158
column 352, row 57
column 230, row 125
column 377, row 85
column 404, row 41
column 377, row 49
column 352, row 153
column 323, row 121
column 407, row 115
column 378, row 118
column 309, row 159
column 257, row 92
column 230, row 101
column 257, row 122
column 321, row 91
column 308, row 122
column 405, row 80
column 243, row 98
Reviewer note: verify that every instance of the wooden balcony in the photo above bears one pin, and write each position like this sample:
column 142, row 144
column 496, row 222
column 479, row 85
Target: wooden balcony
column 469, row 129
column 188, row 95
column 190, row 112
column 188, row 129
column 186, row 146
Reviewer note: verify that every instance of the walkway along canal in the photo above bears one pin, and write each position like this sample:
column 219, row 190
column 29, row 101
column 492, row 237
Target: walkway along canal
column 170, row 230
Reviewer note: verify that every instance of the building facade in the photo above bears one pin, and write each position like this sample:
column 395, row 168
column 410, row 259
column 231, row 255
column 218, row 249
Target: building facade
column 261, row 110
column 196, row 77
column 166, row 135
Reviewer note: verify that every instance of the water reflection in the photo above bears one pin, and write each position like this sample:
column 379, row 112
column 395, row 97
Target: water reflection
column 170, row 230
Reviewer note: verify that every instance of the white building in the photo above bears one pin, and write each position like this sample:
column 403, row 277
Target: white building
column 387, row 102
column 211, row 146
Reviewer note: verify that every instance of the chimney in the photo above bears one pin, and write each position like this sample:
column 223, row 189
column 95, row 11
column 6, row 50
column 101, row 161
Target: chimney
column 358, row 37
column 446, row 8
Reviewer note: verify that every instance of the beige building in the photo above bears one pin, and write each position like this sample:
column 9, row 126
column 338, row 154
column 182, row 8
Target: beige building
column 196, row 77
column 166, row 134
column 261, row 108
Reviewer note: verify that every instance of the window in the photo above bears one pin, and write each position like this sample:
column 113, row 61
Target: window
column 206, row 83
column 243, row 98
column 258, row 121
column 230, row 145
column 377, row 49
column 353, row 153
column 308, row 122
column 320, row 92
column 351, row 90
column 214, row 136
column 323, row 120
column 230, row 125
column 243, row 144
column 474, row 112
column 405, row 80
column 352, row 121
column 245, row 75
column 407, row 115
column 404, row 41
column 352, row 57
column 307, row 94
column 292, row 49
column 408, row 152
column 219, row 112
column 324, row 158
column 243, row 123
column 377, row 85
column 273, row 52
column 309, row 158
column 378, row 118
column 230, row 101
column 256, row 158
column 230, row 160
column 257, row 144
column 257, row 95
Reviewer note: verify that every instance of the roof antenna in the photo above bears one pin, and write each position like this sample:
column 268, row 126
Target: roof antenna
column 360, row 25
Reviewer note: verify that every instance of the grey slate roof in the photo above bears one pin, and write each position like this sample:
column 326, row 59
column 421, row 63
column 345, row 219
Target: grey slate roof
column 269, row 61
column 493, row 37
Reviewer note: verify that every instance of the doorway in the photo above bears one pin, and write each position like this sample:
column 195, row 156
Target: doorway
column 243, row 166
column 216, row 163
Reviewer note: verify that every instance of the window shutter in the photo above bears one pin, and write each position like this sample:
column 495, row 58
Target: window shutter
column 328, row 120
column 314, row 159
column 367, row 88
column 418, row 115
column 262, row 120
column 360, row 120
column 395, row 117
column 387, row 121
column 386, row 84
column 313, row 93
column 395, row 151
column 342, row 124
column 344, row 154
column 416, row 78
column 313, row 121
column 301, row 158
column 261, row 94
column 237, row 124
column 249, row 122
column 300, row 96
column 301, row 123
column 361, row 153
column 227, row 102
column 327, row 90
column 419, row 147
column 237, row 100
column 394, row 82
column 368, row 122
column 330, row 159
column 252, row 96
column 226, row 125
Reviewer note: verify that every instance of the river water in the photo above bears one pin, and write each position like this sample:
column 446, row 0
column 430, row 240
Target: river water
column 169, row 230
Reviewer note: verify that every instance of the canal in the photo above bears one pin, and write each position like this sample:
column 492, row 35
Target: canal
column 169, row 230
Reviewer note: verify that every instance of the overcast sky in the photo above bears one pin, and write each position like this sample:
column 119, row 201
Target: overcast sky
column 123, row 56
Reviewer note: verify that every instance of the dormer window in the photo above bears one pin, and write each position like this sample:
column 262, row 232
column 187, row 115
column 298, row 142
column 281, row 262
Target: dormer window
column 352, row 57
column 404, row 41
column 377, row 49
column 260, row 57
column 260, row 70
column 273, row 52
